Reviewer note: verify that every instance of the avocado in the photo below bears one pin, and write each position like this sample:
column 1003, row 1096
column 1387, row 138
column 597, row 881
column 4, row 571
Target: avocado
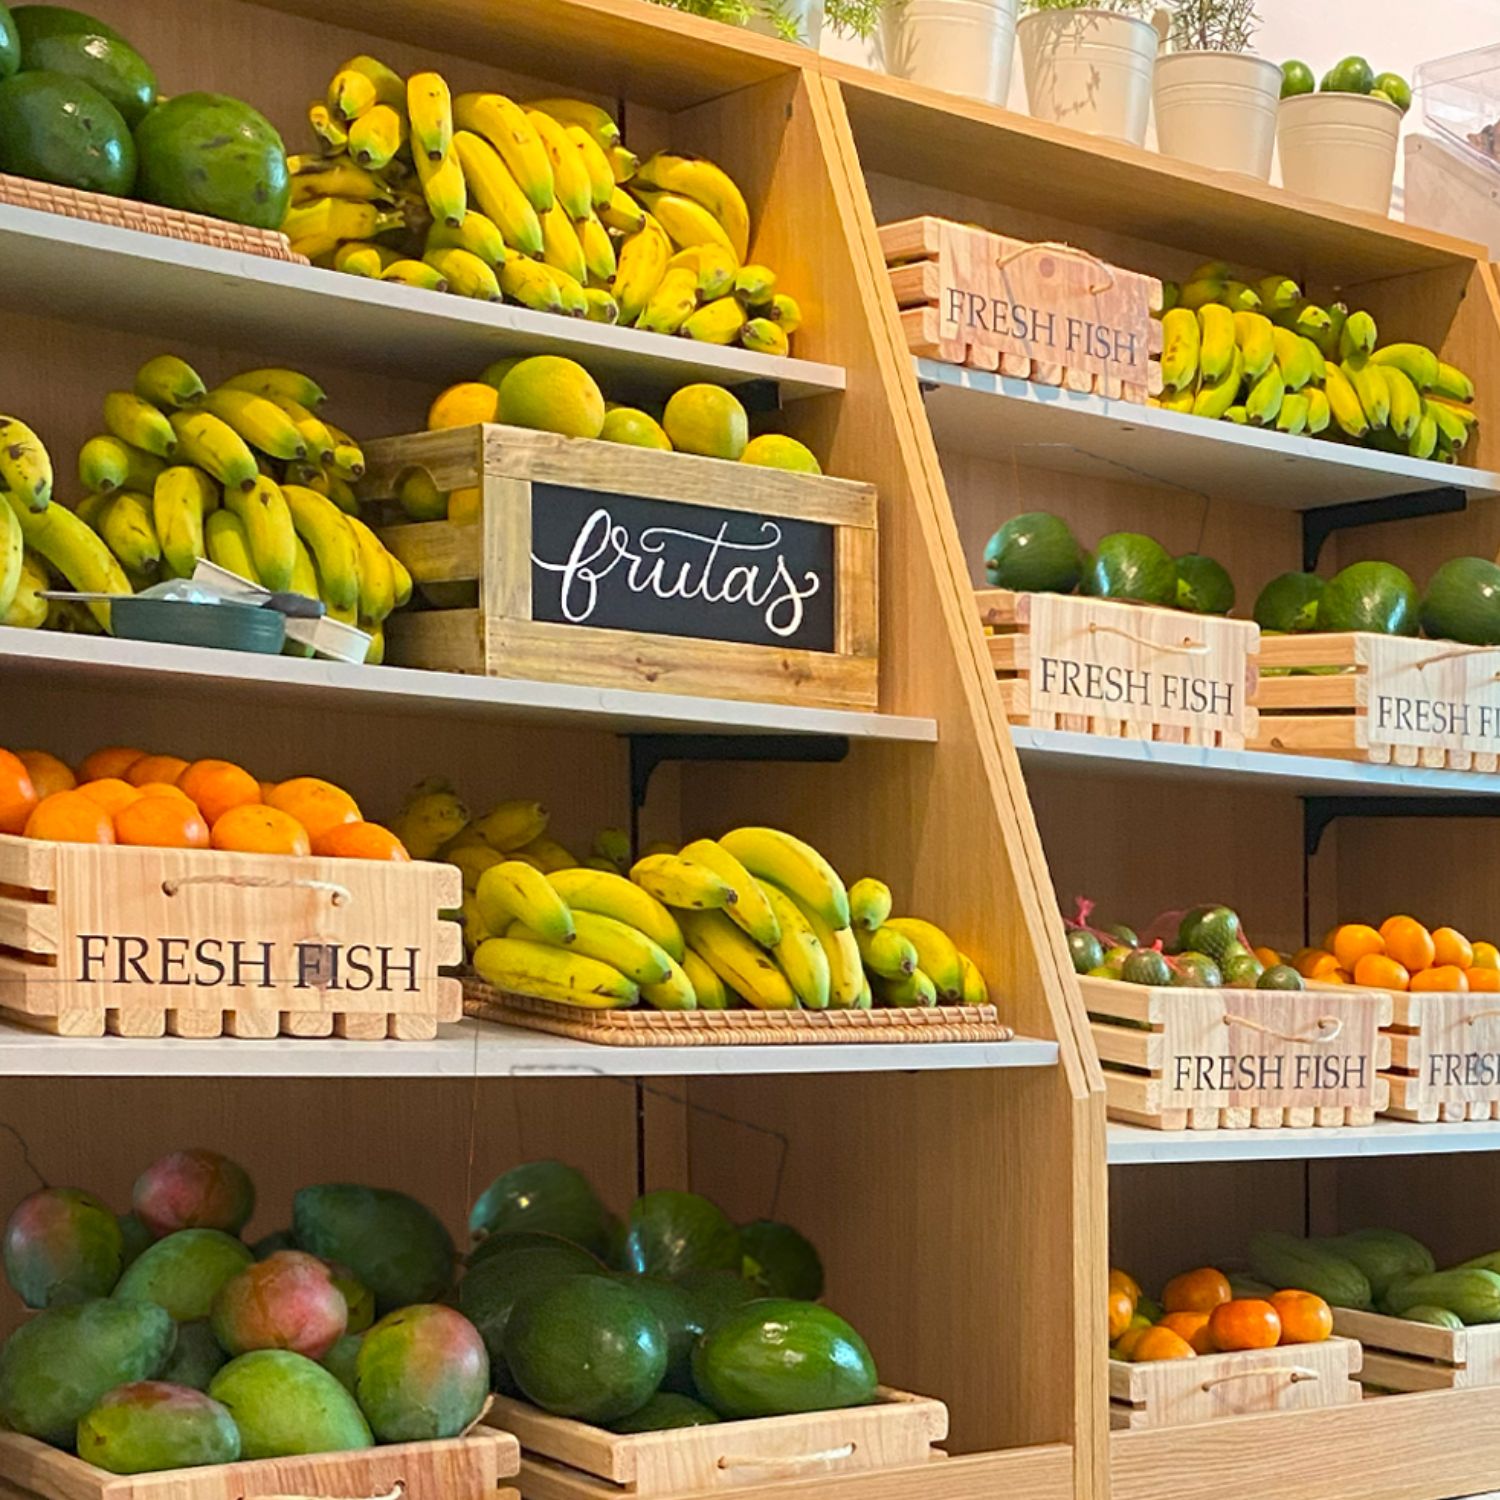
column 781, row 1260
column 682, row 1320
column 113, row 67
column 1203, row 585
column 1289, row 603
column 391, row 1243
column 1376, row 596
column 1035, row 553
column 1463, row 602
column 545, row 1196
column 1086, row 951
column 1127, row 565
column 716, row 1293
column 671, row 1232
column 665, row 1411
column 34, row 22
column 10, row 44
column 55, row 128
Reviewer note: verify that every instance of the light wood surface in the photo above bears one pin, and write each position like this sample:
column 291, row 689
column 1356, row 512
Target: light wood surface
column 1405, row 1356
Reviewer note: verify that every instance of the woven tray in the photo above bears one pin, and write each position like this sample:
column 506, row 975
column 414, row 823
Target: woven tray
column 730, row 1028
column 149, row 218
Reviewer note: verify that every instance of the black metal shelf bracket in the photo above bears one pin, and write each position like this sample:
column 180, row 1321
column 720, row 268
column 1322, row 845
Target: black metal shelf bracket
column 759, row 395
column 1319, row 525
column 1318, row 813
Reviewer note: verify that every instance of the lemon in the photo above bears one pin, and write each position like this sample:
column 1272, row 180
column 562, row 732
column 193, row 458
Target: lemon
column 1296, row 78
column 464, row 405
column 1352, row 75
column 1394, row 87
column 552, row 394
column 773, row 451
column 624, row 424
column 706, row 419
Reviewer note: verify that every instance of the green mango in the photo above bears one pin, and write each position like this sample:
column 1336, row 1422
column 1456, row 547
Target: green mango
column 284, row 1404
column 151, row 1425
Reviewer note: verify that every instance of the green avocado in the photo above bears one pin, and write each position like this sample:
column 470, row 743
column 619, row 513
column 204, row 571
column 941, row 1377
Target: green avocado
column 55, row 128
column 1127, row 565
column 36, row 21
column 1289, row 603
column 114, row 67
column 665, row 1411
column 1086, row 951
column 10, row 44
column 1036, row 553
column 1376, row 596
column 672, row 1232
column 783, row 1261
column 1463, row 602
column 1203, row 585
column 544, row 1196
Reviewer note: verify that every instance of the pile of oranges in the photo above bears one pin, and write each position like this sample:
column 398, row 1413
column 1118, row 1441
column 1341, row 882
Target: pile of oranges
column 1401, row 954
column 124, row 796
column 1200, row 1314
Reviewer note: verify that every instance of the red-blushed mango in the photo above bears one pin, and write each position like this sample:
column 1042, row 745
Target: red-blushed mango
column 151, row 1425
column 197, row 1189
column 287, row 1301
column 421, row 1373
column 283, row 1403
column 62, row 1245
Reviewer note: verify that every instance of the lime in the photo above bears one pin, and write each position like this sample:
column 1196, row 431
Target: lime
column 1086, row 951
column 1351, row 76
column 1280, row 977
column 1146, row 966
column 1395, row 88
column 1296, row 78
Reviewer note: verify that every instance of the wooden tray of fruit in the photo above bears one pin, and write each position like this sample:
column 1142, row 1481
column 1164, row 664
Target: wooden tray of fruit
column 1402, row 1355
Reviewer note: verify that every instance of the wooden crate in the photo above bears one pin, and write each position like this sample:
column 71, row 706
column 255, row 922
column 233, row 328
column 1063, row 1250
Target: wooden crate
column 1198, row 1059
column 1131, row 671
column 806, row 632
column 197, row 942
column 1406, row 1356
column 1180, row 1392
column 1048, row 313
column 1445, row 1057
column 466, row 1468
column 729, row 1028
column 1392, row 700
column 563, row 1458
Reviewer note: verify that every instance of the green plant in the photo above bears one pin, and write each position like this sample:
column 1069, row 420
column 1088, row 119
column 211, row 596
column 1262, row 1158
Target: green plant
column 1141, row 8
column 858, row 18
column 1213, row 25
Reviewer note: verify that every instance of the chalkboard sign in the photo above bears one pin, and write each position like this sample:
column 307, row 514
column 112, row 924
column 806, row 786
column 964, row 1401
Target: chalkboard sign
column 624, row 562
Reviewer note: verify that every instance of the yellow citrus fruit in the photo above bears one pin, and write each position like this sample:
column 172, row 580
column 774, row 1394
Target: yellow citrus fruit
column 707, row 419
column 463, row 405
column 635, row 428
column 773, row 451
column 551, row 394
column 1353, row 941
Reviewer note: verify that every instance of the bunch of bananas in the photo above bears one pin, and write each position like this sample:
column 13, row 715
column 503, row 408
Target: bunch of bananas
column 479, row 195
column 246, row 474
column 1267, row 356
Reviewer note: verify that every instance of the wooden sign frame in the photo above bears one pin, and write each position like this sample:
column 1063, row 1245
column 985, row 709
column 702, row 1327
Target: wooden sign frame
column 1445, row 1056
column 501, row 638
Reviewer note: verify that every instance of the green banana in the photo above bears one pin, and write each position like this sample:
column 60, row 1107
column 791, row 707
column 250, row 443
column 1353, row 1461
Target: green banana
column 1263, row 403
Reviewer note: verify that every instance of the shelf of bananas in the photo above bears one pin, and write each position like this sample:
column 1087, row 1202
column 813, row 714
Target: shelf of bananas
column 756, row 918
column 1266, row 356
column 539, row 204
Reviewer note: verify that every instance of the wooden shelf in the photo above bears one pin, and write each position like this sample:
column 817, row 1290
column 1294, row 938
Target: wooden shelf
column 1134, row 1145
column 1302, row 775
column 481, row 1049
column 122, row 278
column 1046, row 427
column 135, row 666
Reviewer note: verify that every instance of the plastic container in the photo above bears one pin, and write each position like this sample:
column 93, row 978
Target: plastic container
column 1091, row 69
column 1461, row 98
column 1340, row 148
column 963, row 46
column 1218, row 109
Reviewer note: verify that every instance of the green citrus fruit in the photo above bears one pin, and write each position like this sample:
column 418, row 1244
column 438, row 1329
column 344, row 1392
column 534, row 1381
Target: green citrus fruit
column 1296, row 78
column 1351, row 76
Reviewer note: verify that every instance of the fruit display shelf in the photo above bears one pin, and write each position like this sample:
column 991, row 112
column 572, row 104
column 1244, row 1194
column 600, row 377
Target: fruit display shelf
column 1139, row 1145
column 1068, row 432
column 121, row 278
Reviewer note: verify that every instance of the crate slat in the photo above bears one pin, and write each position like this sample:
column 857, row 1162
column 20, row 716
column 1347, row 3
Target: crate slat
column 1404, row 1356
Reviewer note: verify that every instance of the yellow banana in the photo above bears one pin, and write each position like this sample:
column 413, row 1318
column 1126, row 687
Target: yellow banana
column 549, row 973
column 786, row 313
column 429, row 108
column 1465, row 414
column 706, row 185
column 549, row 854
column 139, row 423
column 624, row 164
column 215, row 447
column 126, row 526
column 510, row 131
column 683, row 884
column 228, row 545
column 1200, row 291
column 1212, row 401
column 181, row 499
column 754, row 285
column 1293, row 357
column 572, row 294
column 687, row 223
column 1278, row 293
column 326, row 531
column 1344, row 402
column 428, row 821
column 259, row 420
column 1416, row 361
column 570, row 177
column 341, row 179
column 1406, row 402
column 1319, row 413
column 595, row 163
column 516, row 891
column 610, row 941
column 1316, row 362
column 26, row 610
column 1263, row 403
column 327, row 127
column 169, row 381
column 1452, row 430
column 1452, row 383
column 676, row 992
column 402, row 581
column 613, row 844
column 526, row 281
column 1423, row 442
column 709, row 991
column 1371, row 387
column 600, row 306
column 752, row 909
column 376, row 137
column 1292, row 418
column 1256, row 335
column 599, row 123
column 316, row 437
column 266, row 512
column 12, row 560
column 465, row 273
column 796, row 867
column 1358, row 336
column 737, row 960
column 869, row 903
column 560, row 245
column 846, row 975
column 642, row 264
column 622, row 213
column 715, row 268
column 512, row 825
column 377, row 579
column 612, row 895
column 976, row 991
column 106, row 464
column 672, row 303
column 478, row 234
column 494, row 187
column 473, row 860
column 444, row 187
column 886, row 952
column 416, row 273
column 277, row 382
column 385, row 86
column 73, row 549
column 348, row 457
column 718, row 322
column 916, row 990
column 1181, row 341
column 798, row 951
column 765, row 337
column 598, row 250
column 1217, row 342
column 334, row 220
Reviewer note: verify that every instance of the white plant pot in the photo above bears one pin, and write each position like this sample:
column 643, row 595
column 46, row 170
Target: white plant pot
column 1218, row 109
column 1339, row 148
column 861, row 52
column 1090, row 69
column 808, row 15
column 962, row 46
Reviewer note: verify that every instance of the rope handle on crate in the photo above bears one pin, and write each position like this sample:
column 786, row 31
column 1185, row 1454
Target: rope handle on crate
column 1295, row 1375
column 396, row 1491
column 800, row 1463
column 1480, row 1015
column 1322, row 1024
column 1061, row 249
column 338, row 894
column 1428, row 661
column 1185, row 647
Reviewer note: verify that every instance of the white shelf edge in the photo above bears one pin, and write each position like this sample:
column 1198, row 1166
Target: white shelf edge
column 481, row 1049
column 1136, row 1145
column 1065, row 749
column 99, row 657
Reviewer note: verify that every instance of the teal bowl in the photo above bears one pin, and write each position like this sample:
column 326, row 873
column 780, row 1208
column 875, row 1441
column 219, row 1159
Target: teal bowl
column 222, row 627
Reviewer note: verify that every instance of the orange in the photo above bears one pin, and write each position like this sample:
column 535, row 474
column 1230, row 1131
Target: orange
column 70, row 818
column 155, row 768
column 113, row 760
column 316, row 805
column 1192, row 1326
column 1316, row 964
column 1196, row 1291
column 1449, row 946
column 1353, row 941
column 1121, row 1311
column 360, row 841
column 112, row 794
column 163, row 789
column 1440, row 977
column 1486, row 956
column 218, row 785
column 1245, row 1323
column 1160, row 1343
column 1377, row 972
column 1408, row 942
column 255, row 829
column 161, row 822
column 1269, row 957
column 1332, row 976
column 1124, row 1346
column 1305, row 1317
column 1123, row 1281
column 1485, row 980
column 17, row 793
column 48, row 773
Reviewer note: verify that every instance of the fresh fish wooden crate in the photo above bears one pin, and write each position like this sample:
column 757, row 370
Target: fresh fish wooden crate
column 466, row 1468
column 1388, row 700
column 566, row 1460
column 197, row 942
column 1047, row 313
column 1181, row 1392
column 1404, row 1356
column 614, row 566
column 1445, row 1056
column 1201, row 1059
column 1131, row 671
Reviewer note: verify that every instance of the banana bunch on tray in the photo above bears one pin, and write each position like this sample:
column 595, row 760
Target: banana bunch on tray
column 538, row 204
column 1265, row 355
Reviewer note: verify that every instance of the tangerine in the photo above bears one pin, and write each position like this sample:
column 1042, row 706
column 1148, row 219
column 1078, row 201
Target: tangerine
column 1440, row 977
column 253, row 828
column 163, row 789
column 112, row 794
column 1486, row 956
column 1316, row 964
column 1124, row 1346
column 317, row 805
column 1449, row 946
column 1123, row 1281
column 1353, row 941
column 160, row 821
column 48, row 773
column 1245, row 1323
column 1377, row 972
column 1269, row 957
column 1160, row 1343
column 1121, row 1311
column 18, row 795
column 70, row 818
column 361, row 841
column 1484, row 980
column 112, row 761
column 1305, row 1317
column 218, row 785
column 155, row 768
column 1408, row 942
column 1193, row 1326
column 1196, row 1291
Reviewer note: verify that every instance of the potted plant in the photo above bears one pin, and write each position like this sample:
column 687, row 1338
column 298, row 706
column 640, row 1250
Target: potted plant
column 1216, row 102
column 1089, row 63
column 963, row 46
column 791, row 20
